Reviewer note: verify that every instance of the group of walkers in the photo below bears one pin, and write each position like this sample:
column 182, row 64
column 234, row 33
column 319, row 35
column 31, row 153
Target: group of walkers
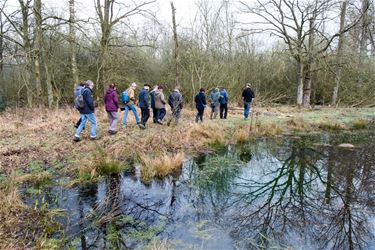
column 154, row 99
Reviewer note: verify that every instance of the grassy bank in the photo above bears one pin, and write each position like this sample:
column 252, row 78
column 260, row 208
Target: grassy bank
column 37, row 145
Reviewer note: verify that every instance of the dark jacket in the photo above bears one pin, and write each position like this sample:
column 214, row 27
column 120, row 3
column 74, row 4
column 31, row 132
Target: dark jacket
column 223, row 97
column 111, row 100
column 144, row 98
column 89, row 107
column 200, row 100
column 153, row 95
column 175, row 100
column 247, row 95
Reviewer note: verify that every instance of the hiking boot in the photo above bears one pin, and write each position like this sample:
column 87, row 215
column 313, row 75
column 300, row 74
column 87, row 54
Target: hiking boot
column 141, row 126
column 159, row 122
column 94, row 138
column 112, row 132
column 76, row 139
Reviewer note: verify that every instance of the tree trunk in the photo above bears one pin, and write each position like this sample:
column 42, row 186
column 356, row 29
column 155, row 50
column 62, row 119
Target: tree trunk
column 1, row 43
column 72, row 43
column 340, row 49
column 37, row 9
column 300, row 79
column 27, row 50
column 48, row 77
column 176, row 54
column 364, row 30
column 310, row 62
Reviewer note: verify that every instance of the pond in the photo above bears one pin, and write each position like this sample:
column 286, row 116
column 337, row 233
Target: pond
column 299, row 192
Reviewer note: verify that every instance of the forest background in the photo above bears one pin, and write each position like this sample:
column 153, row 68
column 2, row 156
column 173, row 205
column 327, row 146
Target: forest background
column 292, row 52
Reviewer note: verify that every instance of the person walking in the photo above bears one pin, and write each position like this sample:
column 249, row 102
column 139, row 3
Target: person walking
column 223, row 103
column 87, row 111
column 154, row 109
column 215, row 104
column 144, row 104
column 77, row 92
column 247, row 97
column 200, row 104
column 129, row 103
column 111, row 106
column 176, row 102
column 160, row 105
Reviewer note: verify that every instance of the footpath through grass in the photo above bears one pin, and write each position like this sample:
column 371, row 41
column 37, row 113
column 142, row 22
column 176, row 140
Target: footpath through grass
column 37, row 145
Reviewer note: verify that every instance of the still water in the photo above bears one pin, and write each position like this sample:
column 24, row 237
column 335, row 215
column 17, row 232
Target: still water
column 300, row 192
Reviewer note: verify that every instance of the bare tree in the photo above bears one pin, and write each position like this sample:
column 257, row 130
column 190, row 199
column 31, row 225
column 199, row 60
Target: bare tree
column 176, row 53
column 72, row 42
column 366, row 20
column 295, row 23
column 340, row 51
column 37, row 10
column 108, row 20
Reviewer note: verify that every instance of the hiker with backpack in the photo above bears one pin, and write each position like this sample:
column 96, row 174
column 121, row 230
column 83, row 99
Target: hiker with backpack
column 128, row 99
column 200, row 104
column 144, row 105
column 160, row 105
column 215, row 104
column 111, row 106
column 85, row 103
column 154, row 109
column 176, row 103
column 247, row 97
column 77, row 92
column 223, row 103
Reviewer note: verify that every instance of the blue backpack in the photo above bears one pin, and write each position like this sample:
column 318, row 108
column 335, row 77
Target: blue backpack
column 125, row 97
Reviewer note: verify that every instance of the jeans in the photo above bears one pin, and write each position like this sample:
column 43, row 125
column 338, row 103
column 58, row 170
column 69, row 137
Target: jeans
column 132, row 107
column 92, row 119
column 199, row 115
column 223, row 111
column 160, row 114
column 214, row 110
column 145, row 114
column 246, row 107
column 113, row 119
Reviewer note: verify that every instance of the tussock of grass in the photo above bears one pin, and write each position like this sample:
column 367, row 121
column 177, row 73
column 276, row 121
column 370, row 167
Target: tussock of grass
column 298, row 124
column 332, row 126
column 159, row 166
column 101, row 164
column 360, row 124
column 38, row 178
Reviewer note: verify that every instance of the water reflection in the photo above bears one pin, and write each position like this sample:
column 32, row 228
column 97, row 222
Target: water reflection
column 301, row 192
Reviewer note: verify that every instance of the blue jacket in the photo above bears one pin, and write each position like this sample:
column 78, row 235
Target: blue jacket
column 224, row 97
column 215, row 95
column 200, row 100
column 89, row 107
column 144, row 99
column 175, row 100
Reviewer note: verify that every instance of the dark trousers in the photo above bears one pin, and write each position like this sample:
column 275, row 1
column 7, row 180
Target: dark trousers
column 200, row 114
column 154, row 114
column 223, row 111
column 145, row 114
column 160, row 114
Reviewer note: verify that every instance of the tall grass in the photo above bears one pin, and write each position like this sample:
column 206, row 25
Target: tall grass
column 159, row 166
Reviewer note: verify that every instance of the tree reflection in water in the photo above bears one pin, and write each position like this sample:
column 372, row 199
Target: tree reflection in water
column 315, row 196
